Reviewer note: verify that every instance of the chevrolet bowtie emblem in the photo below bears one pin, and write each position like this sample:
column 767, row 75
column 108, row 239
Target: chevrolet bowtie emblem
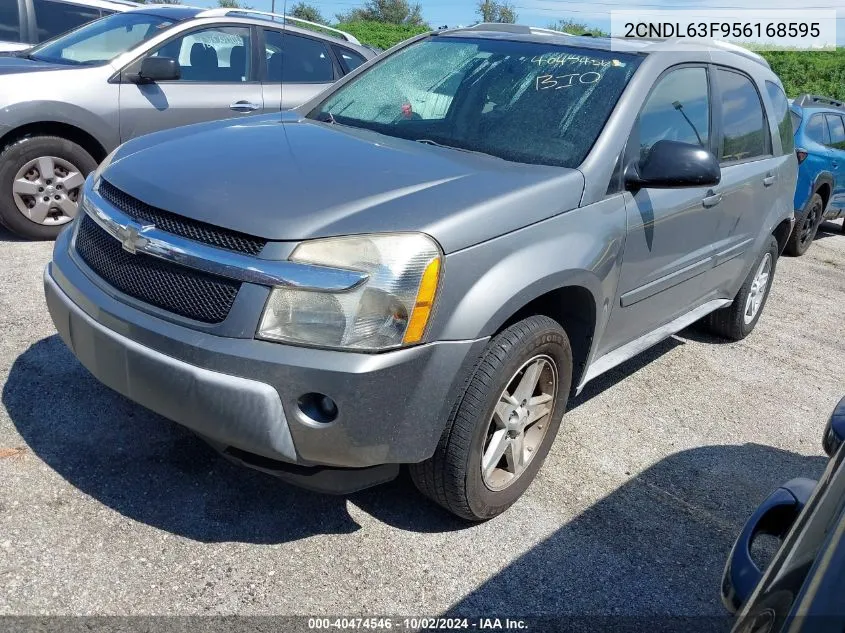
column 131, row 237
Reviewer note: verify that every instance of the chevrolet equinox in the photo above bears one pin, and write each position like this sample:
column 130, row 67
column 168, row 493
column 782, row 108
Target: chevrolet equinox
column 424, row 263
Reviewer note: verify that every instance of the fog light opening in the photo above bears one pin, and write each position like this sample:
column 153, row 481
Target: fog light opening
column 318, row 408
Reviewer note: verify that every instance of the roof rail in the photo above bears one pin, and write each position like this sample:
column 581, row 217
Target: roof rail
column 519, row 29
column 729, row 47
column 811, row 100
column 219, row 13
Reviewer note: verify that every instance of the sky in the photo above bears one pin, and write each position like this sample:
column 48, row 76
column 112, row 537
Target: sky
column 544, row 12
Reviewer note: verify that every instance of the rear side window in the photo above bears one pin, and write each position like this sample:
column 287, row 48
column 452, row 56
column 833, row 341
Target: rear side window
column 782, row 116
column 350, row 60
column 10, row 22
column 816, row 130
column 837, row 130
column 745, row 129
column 296, row 59
column 55, row 18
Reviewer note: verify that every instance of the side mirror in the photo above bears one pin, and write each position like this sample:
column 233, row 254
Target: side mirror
column 670, row 164
column 157, row 69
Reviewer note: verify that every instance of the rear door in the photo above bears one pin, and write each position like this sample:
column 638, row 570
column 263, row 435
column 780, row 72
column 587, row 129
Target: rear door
column 670, row 231
column 836, row 128
column 750, row 175
column 297, row 68
column 219, row 81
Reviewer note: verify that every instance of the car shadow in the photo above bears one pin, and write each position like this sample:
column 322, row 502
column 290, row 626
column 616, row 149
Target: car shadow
column 7, row 236
column 649, row 553
column 158, row 473
column 829, row 229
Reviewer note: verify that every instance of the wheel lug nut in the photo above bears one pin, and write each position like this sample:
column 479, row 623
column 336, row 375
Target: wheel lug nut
column 46, row 198
column 40, row 189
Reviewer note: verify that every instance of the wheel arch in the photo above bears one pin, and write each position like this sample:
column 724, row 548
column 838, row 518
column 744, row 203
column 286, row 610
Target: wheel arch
column 56, row 128
column 824, row 187
column 574, row 308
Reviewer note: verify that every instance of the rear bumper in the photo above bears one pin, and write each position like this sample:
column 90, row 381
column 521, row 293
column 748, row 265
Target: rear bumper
column 242, row 395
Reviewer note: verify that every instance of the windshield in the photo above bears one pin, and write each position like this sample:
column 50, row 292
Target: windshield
column 522, row 101
column 102, row 40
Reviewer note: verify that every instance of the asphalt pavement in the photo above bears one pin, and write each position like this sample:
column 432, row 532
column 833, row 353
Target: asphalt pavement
column 108, row 509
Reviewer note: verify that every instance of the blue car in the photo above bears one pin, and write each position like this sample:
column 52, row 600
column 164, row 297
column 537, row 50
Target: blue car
column 819, row 125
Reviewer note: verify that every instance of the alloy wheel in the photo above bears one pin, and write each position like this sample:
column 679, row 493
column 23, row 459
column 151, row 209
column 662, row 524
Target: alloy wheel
column 519, row 423
column 759, row 288
column 46, row 190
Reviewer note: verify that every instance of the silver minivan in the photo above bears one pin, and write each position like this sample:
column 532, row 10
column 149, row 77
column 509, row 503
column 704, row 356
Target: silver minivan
column 69, row 102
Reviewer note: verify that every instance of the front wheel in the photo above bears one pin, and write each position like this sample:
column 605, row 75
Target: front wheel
column 738, row 319
column 41, row 179
column 504, row 423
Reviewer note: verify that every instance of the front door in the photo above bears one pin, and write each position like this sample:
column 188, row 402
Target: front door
column 670, row 231
column 218, row 81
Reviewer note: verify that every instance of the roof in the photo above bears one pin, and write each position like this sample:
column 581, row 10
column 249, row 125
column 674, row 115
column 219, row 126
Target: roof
column 169, row 11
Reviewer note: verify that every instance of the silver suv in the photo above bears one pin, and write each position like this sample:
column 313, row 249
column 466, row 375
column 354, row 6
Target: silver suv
column 423, row 265
column 69, row 102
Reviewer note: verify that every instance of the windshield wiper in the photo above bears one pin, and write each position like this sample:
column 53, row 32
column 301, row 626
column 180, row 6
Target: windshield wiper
column 428, row 141
column 326, row 117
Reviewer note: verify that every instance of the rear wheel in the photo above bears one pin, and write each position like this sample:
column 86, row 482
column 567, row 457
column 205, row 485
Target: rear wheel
column 504, row 423
column 738, row 319
column 806, row 226
column 41, row 179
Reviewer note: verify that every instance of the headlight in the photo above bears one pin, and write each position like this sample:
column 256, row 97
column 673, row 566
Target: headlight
column 391, row 309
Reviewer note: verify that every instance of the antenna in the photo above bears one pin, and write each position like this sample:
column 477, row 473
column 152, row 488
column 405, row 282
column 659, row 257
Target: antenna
column 284, row 59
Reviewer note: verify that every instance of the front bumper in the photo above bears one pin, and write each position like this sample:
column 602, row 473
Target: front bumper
column 242, row 395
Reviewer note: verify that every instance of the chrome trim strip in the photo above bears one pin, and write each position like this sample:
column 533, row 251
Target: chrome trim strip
column 146, row 239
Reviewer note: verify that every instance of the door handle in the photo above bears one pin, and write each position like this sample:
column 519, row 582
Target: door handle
column 835, row 164
column 244, row 106
column 769, row 180
column 712, row 200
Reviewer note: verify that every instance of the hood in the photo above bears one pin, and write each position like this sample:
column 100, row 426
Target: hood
column 296, row 180
column 13, row 64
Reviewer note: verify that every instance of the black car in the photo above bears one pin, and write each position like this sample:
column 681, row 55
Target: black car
column 803, row 588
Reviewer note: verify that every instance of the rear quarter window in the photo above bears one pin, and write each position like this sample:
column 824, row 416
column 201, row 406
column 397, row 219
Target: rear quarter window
column 816, row 129
column 782, row 116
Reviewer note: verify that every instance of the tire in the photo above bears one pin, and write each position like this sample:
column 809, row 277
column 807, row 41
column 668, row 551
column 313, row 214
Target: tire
column 806, row 226
column 65, row 160
column 731, row 322
column 453, row 476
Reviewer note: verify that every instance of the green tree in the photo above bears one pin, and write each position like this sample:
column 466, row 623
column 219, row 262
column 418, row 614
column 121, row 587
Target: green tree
column 308, row 12
column 159, row 1
column 577, row 28
column 390, row 11
column 229, row 4
column 496, row 11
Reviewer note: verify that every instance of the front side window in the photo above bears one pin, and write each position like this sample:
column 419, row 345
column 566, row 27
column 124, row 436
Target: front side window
column 55, row 18
column 783, row 116
column 100, row 41
column 744, row 126
column 215, row 55
column 10, row 22
column 816, row 129
column 522, row 101
column 837, row 131
column 678, row 109
column 295, row 59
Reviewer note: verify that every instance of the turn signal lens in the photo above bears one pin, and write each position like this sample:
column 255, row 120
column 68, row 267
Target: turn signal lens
column 424, row 303
column 801, row 154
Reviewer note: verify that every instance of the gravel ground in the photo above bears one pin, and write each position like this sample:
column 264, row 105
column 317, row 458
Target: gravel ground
column 107, row 508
